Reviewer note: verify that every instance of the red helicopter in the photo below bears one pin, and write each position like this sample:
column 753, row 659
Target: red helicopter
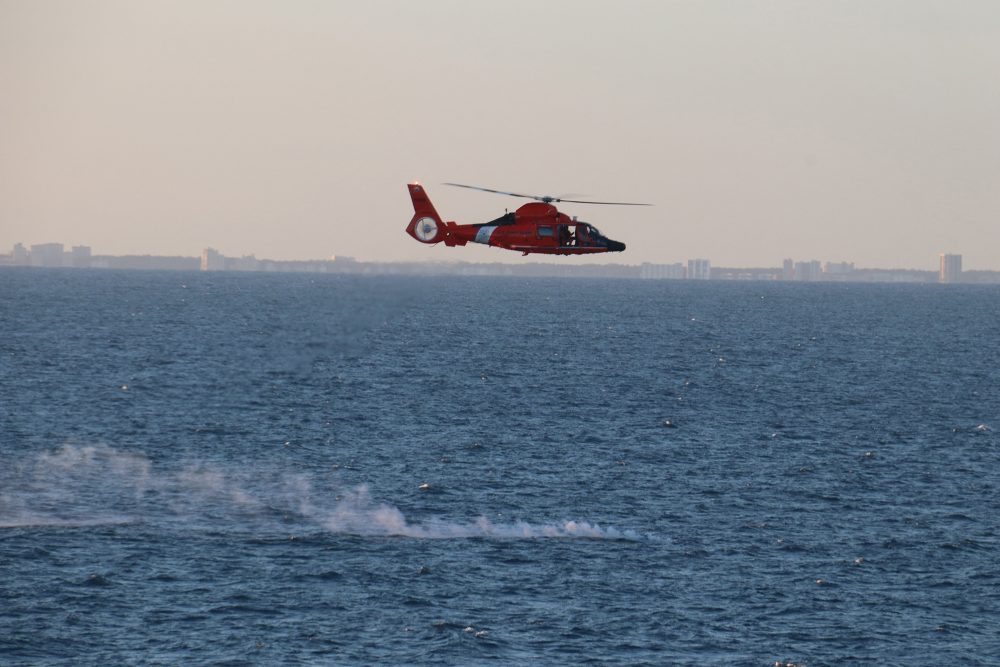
column 534, row 227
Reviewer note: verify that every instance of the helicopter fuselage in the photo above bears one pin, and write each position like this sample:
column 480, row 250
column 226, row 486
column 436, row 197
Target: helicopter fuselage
column 536, row 227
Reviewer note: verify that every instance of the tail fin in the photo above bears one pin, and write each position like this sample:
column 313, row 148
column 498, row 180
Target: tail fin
column 425, row 225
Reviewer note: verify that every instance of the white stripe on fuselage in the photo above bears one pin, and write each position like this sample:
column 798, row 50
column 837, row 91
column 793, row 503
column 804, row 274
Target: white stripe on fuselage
column 484, row 234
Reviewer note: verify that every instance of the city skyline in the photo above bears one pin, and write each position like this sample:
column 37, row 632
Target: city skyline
column 858, row 131
column 56, row 255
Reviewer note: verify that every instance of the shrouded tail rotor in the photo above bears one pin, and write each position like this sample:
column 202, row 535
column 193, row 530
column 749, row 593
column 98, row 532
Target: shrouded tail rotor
column 426, row 225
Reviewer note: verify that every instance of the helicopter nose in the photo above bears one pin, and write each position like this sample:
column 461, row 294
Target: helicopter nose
column 615, row 246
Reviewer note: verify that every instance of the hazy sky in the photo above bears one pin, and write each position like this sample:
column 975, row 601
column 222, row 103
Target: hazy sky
column 865, row 131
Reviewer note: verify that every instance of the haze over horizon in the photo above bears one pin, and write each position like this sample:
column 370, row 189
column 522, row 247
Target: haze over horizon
column 848, row 130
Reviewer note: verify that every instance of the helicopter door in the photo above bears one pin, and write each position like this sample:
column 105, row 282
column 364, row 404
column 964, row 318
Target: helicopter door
column 565, row 237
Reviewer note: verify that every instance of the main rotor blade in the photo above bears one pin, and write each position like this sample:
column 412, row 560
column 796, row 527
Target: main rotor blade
column 546, row 198
column 499, row 192
column 613, row 203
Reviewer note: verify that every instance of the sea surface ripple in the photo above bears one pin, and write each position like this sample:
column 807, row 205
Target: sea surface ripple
column 242, row 469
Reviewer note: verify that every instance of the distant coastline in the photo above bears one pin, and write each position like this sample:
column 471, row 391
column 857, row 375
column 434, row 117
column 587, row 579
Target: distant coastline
column 54, row 255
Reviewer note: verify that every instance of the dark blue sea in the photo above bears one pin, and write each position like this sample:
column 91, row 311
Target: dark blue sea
column 254, row 469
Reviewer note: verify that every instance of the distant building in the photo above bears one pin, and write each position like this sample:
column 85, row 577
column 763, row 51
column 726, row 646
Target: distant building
column 661, row 271
column 47, row 254
column 80, row 256
column 838, row 268
column 951, row 269
column 788, row 270
column 19, row 256
column 212, row 260
column 808, row 271
column 699, row 269
column 245, row 263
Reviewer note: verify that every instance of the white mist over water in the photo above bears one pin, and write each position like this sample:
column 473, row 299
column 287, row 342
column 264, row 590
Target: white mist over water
column 84, row 486
column 358, row 514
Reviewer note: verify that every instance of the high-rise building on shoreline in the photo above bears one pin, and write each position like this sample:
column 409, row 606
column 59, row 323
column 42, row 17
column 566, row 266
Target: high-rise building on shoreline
column 810, row 271
column 212, row 260
column 19, row 256
column 661, row 271
column 79, row 257
column 950, row 268
column 699, row 269
column 47, row 255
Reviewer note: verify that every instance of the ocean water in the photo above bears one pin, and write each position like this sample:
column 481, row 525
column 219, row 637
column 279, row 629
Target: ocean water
column 244, row 469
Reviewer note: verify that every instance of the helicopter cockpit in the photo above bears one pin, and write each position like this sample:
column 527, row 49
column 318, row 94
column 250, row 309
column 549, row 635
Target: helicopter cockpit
column 580, row 234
